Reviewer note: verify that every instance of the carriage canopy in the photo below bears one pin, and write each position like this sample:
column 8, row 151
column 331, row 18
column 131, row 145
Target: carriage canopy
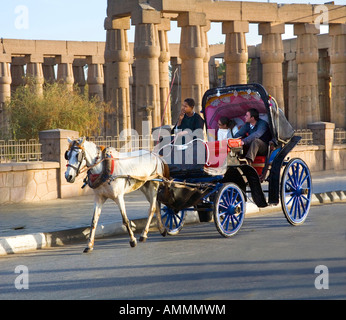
column 233, row 103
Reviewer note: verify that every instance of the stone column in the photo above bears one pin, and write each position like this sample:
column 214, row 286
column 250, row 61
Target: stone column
column 272, row 57
column 236, row 53
column 338, row 71
column 65, row 70
column 192, row 53
column 117, row 56
column 95, row 76
column 324, row 84
column 78, row 73
column 147, row 52
column 308, row 110
column 206, row 56
column 34, row 70
column 5, row 90
column 292, row 89
column 164, row 58
column 17, row 72
column 48, row 70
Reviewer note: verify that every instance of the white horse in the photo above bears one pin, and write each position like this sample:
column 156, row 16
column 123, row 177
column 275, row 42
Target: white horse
column 111, row 175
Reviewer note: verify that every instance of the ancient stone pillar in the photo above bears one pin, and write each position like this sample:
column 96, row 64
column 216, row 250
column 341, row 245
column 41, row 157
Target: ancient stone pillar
column 5, row 78
column 308, row 110
column 17, row 72
column 206, row 56
column 164, row 59
column 65, row 71
column 5, row 89
column 34, row 70
column 95, row 76
column 292, row 88
column 338, row 71
column 78, row 73
column 147, row 52
column 117, row 56
column 272, row 57
column 48, row 70
column 192, row 54
column 236, row 54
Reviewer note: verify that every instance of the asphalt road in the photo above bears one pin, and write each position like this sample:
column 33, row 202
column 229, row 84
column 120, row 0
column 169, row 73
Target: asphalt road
column 267, row 259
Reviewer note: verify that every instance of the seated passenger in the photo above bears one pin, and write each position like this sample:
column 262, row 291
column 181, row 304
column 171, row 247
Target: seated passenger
column 227, row 129
column 255, row 135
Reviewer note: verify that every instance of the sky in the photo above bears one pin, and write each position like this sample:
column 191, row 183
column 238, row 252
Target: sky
column 83, row 20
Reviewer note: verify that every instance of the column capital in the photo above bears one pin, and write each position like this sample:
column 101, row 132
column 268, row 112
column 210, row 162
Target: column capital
column 337, row 29
column 95, row 59
column 34, row 58
column 5, row 57
column 64, row 59
column 271, row 27
column 143, row 16
column 192, row 19
column 118, row 23
column 165, row 24
column 305, row 28
column 235, row 27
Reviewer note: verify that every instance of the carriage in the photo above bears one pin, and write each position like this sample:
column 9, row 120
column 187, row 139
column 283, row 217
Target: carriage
column 212, row 177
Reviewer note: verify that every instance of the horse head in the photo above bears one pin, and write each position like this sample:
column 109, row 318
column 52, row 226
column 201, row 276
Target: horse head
column 75, row 155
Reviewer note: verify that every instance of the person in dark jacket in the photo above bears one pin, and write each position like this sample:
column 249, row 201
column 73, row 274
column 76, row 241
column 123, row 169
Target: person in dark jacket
column 189, row 120
column 255, row 135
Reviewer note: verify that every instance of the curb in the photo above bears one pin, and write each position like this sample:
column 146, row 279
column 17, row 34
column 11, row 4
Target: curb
column 44, row 240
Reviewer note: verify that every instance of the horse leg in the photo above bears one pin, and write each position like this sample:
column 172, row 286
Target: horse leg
column 126, row 221
column 162, row 229
column 150, row 192
column 99, row 201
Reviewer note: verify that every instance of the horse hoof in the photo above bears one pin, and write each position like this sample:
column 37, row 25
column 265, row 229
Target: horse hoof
column 133, row 243
column 143, row 239
column 88, row 250
column 164, row 233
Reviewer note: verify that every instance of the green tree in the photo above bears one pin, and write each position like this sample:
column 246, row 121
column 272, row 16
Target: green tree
column 30, row 113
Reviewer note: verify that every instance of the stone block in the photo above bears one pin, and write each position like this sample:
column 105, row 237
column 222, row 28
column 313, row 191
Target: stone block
column 120, row 23
column 17, row 194
column 294, row 13
column 192, row 19
column 271, row 27
column 302, row 28
column 141, row 16
column 235, row 27
column 30, row 191
column 259, row 11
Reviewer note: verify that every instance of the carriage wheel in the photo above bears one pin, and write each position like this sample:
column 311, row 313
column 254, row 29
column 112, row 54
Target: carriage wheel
column 172, row 221
column 229, row 209
column 296, row 191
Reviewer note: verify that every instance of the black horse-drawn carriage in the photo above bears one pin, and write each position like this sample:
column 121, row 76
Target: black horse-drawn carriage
column 219, row 185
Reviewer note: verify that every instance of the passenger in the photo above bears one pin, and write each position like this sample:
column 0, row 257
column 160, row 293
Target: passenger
column 255, row 135
column 188, row 119
column 227, row 128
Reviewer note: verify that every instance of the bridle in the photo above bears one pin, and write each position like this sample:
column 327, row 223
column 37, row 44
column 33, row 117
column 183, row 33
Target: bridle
column 75, row 146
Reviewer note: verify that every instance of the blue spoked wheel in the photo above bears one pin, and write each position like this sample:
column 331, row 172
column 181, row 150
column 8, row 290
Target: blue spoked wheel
column 296, row 191
column 229, row 209
column 172, row 221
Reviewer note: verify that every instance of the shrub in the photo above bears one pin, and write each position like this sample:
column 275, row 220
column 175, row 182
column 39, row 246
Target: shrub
column 29, row 112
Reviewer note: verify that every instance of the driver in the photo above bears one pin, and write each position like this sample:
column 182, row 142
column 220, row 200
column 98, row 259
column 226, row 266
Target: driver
column 188, row 119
